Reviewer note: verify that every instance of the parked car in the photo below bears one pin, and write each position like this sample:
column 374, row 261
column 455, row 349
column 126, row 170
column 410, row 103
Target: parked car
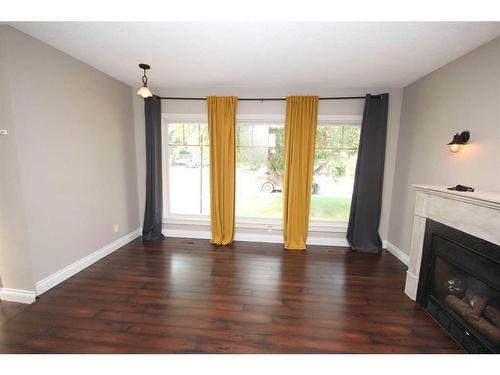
column 272, row 183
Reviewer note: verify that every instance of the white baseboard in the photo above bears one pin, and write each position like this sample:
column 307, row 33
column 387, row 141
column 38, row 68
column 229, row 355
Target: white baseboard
column 397, row 252
column 68, row 271
column 17, row 295
column 251, row 237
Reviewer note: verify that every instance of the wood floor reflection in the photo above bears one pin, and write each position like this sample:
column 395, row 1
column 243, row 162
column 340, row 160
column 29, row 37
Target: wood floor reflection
column 187, row 296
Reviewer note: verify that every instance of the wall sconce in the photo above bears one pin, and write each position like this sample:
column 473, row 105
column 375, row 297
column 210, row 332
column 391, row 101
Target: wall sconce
column 144, row 91
column 458, row 141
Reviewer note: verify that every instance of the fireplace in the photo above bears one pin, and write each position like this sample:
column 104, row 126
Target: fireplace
column 459, row 286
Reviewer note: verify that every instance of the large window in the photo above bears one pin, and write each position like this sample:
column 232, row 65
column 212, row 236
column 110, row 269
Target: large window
column 334, row 167
column 188, row 168
column 259, row 169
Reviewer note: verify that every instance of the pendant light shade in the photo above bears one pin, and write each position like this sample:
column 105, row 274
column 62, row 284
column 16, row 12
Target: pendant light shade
column 144, row 91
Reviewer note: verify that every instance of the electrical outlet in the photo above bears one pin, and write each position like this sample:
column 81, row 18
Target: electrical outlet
column 4, row 132
column 117, row 228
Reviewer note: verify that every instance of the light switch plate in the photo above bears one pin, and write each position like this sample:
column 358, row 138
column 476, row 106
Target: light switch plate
column 3, row 132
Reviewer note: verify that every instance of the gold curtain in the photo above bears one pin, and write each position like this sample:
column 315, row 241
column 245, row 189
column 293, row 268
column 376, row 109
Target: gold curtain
column 300, row 141
column 221, row 131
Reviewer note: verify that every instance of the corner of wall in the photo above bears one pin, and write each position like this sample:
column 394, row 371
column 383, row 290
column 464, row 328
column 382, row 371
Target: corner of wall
column 88, row 190
column 140, row 151
column 393, row 126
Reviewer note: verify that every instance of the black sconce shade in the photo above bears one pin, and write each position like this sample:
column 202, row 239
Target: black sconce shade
column 458, row 141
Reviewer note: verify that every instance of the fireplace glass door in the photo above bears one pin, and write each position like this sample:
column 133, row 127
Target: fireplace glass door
column 470, row 299
column 459, row 286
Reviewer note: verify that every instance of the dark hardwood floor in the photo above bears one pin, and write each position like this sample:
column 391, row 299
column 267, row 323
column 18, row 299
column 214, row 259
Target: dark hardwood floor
column 10, row 309
column 187, row 296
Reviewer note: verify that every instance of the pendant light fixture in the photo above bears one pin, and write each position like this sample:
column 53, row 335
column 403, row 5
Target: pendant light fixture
column 144, row 91
column 458, row 141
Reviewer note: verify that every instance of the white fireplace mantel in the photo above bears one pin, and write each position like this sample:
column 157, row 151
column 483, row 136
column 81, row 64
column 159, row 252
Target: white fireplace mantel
column 476, row 213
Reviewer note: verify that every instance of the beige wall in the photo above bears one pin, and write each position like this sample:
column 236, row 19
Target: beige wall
column 331, row 107
column 463, row 95
column 75, row 174
column 15, row 262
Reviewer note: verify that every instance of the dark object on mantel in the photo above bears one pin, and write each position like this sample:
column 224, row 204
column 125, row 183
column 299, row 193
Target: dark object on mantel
column 461, row 188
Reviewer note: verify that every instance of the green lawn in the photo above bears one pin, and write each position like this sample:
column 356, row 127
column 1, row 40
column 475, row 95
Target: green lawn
column 332, row 208
column 270, row 205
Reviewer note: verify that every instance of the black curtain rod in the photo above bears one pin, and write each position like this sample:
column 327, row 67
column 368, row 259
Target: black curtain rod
column 270, row 99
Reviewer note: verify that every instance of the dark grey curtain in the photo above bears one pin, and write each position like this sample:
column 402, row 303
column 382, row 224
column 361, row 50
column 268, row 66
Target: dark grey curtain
column 362, row 231
column 153, row 215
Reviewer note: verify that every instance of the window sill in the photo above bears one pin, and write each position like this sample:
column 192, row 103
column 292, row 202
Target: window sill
column 257, row 223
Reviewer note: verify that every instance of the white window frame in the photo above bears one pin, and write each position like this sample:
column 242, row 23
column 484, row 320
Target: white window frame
column 243, row 222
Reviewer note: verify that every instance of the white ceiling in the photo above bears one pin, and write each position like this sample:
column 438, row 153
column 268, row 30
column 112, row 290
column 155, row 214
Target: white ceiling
column 201, row 54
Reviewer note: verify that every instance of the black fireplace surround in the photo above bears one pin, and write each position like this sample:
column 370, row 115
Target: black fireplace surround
column 459, row 286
